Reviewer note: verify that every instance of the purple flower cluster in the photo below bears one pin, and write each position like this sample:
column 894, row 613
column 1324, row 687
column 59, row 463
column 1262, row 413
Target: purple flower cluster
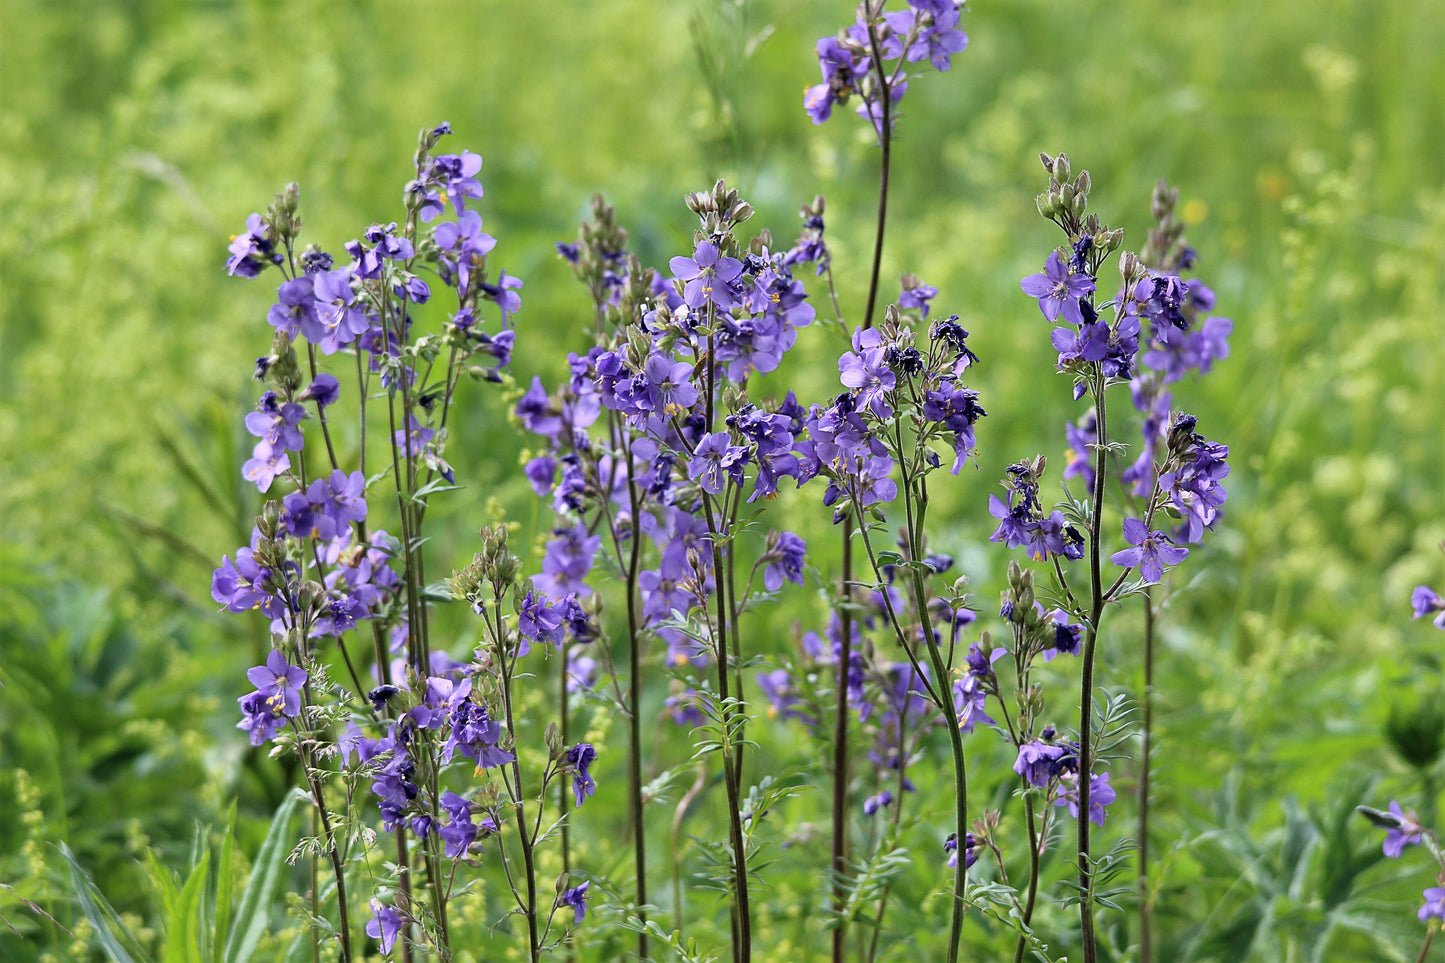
column 866, row 58
column 1022, row 522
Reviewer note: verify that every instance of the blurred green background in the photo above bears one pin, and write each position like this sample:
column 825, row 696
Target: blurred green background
column 1308, row 140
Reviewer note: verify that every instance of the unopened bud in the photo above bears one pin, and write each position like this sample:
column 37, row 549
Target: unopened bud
column 1061, row 169
column 1130, row 267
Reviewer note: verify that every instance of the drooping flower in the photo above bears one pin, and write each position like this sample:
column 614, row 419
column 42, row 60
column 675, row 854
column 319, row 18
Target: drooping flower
column 1101, row 794
column 384, row 925
column 460, row 831
column 784, row 561
column 576, row 897
column 580, row 757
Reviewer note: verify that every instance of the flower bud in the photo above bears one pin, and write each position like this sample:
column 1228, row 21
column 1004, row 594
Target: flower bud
column 1131, row 268
column 1046, row 205
column 1082, row 183
column 1061, row 170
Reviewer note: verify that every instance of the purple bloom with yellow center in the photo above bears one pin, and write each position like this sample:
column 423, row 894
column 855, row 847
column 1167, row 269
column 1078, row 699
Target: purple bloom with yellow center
column 266, row 462
column 251, row 250
column 709, row 276
column 281, row 683
column 1059, row 290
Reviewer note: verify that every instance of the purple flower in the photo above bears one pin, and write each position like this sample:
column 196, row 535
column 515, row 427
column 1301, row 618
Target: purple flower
column 1434, row 904
column 542, row 473
column 457, row 174
column 295, row 310
column 276, row 423
column 252, row 250
column 939, row 42
column 865, row 370
column 709, row 460
column 1058, row 290
column 782, row 696
column 971, row 850
column 669, row 385
column 840, row 79
column 785, row 561
column 1038, row 762
column 277, row 697
column 872, row 804
column 1101, row 794
column 324, row 391
column 580, row 758
column 576, row 897
column 476, row 735
column 384, row 925
column 538, row 622
column 915, row 294
column 1426, row 601
column 240, row 586
column 1066, row 635
column 709, row 277
column 970, row 701
column 1407, row 832
column 466, row 246
column 568, row 559
column 280, row 682
column 1152, row 552
column 504, row 292
column 460, row 831
column 339, row 319
column 411, row 440
column 957, row 409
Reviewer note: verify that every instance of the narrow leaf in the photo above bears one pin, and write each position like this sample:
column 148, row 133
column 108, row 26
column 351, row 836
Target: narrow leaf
column 251, row 915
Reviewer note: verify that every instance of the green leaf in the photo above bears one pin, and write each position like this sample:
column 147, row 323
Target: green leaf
column 184, row 944
column 222, row 920
column 106, row 922
column 164, row 882
column 251, row 915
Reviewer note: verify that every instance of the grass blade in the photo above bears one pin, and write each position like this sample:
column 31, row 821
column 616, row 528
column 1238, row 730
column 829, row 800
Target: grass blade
column 251, row 915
